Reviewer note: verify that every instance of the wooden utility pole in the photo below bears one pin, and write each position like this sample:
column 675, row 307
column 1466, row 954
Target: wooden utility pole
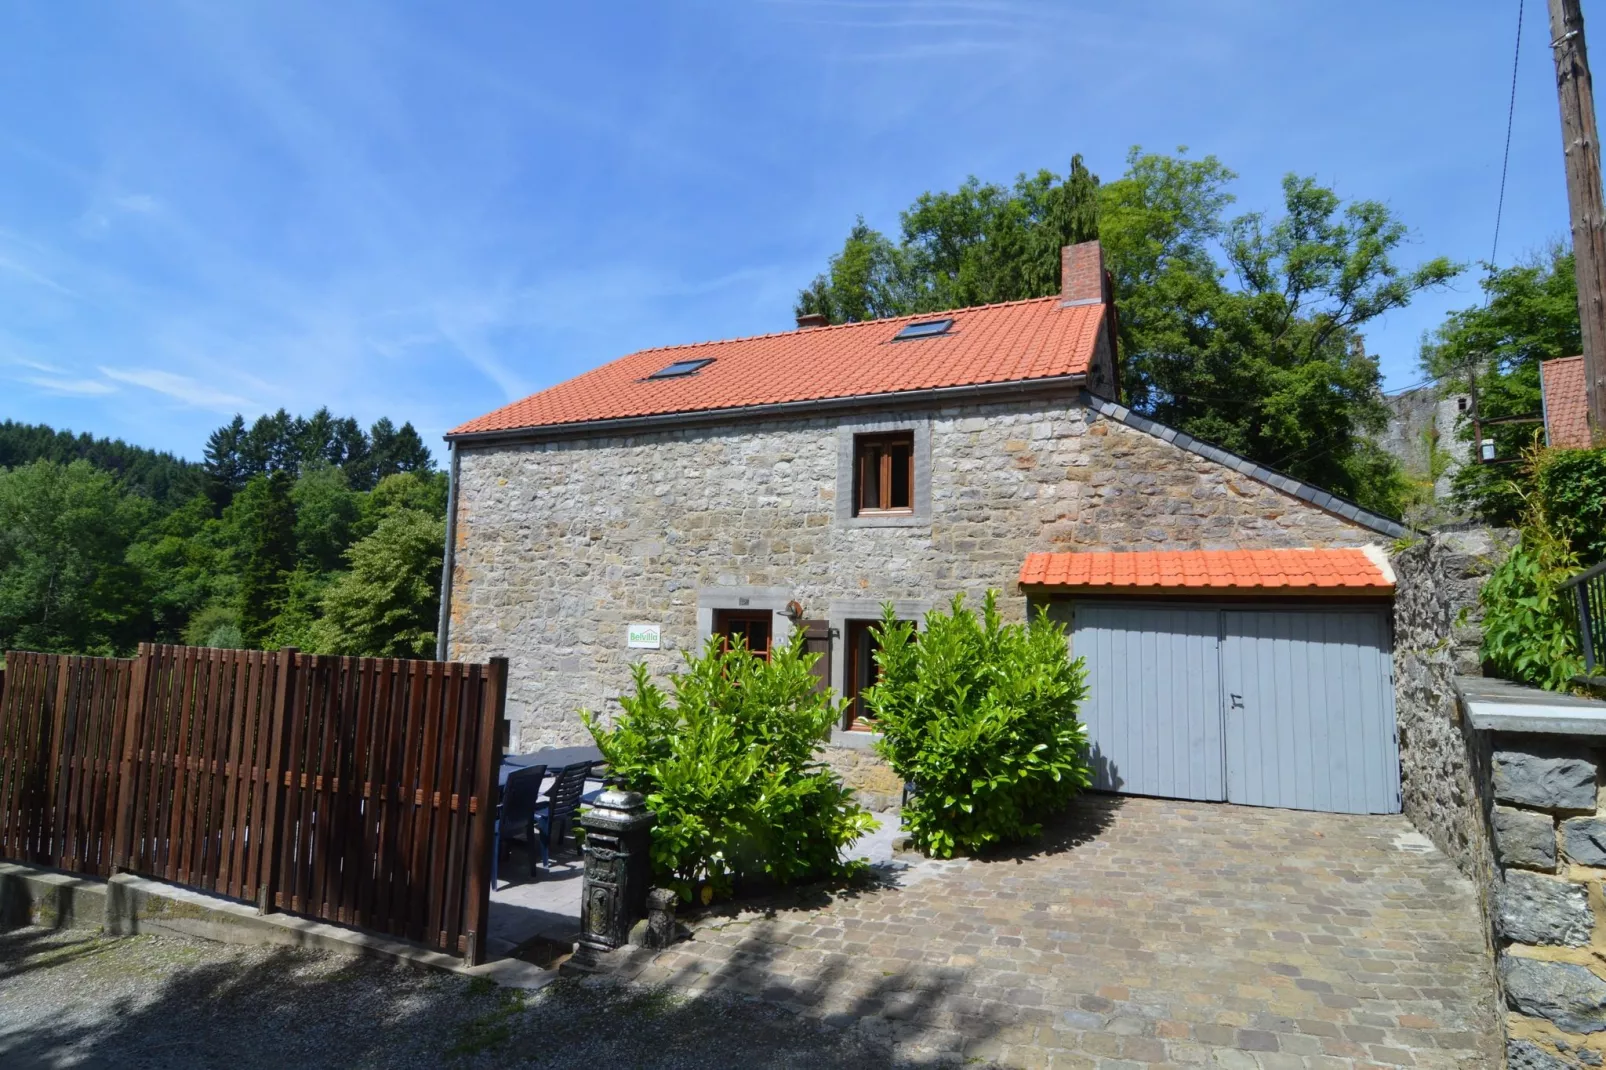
column 1577, row 98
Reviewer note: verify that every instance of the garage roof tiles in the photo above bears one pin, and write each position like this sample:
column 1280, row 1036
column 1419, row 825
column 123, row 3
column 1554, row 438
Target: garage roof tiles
column 1335, row 571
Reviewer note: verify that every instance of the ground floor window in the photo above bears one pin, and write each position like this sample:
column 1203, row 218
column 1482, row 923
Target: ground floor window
column 860, row 672
column 753, row 628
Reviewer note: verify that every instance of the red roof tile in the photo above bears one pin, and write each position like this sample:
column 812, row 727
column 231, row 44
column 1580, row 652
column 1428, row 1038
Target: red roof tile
column 1338, row 571
column 1002, row 343
column 1566, row 408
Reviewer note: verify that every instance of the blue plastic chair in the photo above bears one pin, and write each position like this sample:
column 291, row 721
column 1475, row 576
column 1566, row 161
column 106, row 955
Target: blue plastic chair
column 515, row 817
column 555, row 814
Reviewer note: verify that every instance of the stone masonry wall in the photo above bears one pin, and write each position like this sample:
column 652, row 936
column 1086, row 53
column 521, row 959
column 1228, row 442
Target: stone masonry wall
column 561, row 544
column 1436, row 638
column 1549, row 914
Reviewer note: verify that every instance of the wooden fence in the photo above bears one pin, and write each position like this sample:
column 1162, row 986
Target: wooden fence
column 61, row 730
column 355, row 790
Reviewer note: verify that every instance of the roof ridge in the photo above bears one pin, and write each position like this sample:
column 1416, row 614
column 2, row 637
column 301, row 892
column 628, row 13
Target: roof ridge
column 841, row 326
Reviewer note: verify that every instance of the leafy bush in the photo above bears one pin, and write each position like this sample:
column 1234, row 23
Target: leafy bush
column 1530, row 626
column 1529, row 631
column 1571, row 488
column 981, row 717
column 727, row 764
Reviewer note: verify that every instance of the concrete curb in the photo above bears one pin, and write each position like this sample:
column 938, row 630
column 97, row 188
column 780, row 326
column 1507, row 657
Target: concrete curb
column 127, row 905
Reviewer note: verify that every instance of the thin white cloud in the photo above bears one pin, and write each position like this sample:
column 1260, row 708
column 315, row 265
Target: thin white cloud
column 105, row 209
column 38, row 278
column 83, row 388
column 180, row 388
column 137, row 203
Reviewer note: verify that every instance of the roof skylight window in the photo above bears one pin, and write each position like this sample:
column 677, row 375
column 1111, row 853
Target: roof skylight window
column 681, row 368
column 923, row 329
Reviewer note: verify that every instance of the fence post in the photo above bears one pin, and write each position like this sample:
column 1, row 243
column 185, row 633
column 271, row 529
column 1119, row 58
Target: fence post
column 268, row 870
column 477, row 897
column 128, row 734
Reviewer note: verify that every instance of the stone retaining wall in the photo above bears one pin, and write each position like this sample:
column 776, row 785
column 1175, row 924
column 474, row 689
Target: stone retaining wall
column 1523, row 816
column 1436, row 638
column 1549, row 826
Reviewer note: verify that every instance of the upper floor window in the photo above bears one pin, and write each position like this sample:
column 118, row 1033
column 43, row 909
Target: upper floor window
column 884, row 473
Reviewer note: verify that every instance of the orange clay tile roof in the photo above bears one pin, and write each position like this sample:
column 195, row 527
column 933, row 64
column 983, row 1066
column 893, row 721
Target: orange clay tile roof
column 1566, row 409
column 1001, row 343
column 1338, row 571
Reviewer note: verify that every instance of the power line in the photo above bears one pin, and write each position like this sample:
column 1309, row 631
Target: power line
column 1505, row 160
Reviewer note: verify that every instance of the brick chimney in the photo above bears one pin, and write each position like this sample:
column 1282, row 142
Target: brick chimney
column 811, row 319
column 1082, row 280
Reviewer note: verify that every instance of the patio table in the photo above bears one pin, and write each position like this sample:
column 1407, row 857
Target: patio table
column 554, row 758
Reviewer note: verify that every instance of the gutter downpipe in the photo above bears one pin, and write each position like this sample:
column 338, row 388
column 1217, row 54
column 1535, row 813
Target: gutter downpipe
column 448, row 559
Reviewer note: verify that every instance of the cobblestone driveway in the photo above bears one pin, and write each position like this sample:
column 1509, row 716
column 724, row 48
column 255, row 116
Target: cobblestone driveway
column 1144, row 932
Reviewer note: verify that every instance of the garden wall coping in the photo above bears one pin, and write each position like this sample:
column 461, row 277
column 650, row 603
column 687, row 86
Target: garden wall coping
column 1502, row 706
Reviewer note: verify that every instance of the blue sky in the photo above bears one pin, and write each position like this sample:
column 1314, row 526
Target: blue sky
column 426, row 210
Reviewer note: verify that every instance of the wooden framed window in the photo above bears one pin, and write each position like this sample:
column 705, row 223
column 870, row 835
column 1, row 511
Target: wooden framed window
column 860, row 674
column 884, row 473
column 753, row 628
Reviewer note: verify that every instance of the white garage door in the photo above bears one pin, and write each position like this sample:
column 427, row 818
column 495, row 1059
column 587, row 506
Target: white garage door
column 1265, row 706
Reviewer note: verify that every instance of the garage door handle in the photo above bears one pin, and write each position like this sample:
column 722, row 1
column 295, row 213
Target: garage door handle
column 1237, row 702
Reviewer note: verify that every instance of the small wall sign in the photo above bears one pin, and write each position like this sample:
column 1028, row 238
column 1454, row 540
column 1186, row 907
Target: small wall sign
column 642, row 637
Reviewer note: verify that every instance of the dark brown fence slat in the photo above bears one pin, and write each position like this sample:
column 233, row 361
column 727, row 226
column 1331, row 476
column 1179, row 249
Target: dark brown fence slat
column 488, row 758
column 113, row 837
column 342, row 812
column 20, row 692
column 274, row 801
column 436, row 932
column 423, row 808
column 359, row 841
column 457, row 815
column 26, row 692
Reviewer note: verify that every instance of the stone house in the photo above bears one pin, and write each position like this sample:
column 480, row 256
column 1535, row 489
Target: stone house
column 800, row 480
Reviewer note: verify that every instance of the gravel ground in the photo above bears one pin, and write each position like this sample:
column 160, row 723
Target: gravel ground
column 79, row 999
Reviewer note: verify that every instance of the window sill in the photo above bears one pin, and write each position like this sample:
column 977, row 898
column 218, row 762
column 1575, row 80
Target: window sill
column 852, row 739
column 886, row 520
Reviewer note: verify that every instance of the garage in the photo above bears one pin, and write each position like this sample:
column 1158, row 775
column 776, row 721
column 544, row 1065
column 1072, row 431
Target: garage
column 1255, row 677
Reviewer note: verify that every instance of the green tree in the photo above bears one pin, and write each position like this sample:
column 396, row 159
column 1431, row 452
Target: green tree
column 65, row 581
column 261, row 520
column 1270, row 364
column 225, row 463
column 979, row 244
column 327, row 514
column 184, row 561
column 1275, row 367
column 396, row 449
column 163, row 478
column 387, row 605
column 1529, row 314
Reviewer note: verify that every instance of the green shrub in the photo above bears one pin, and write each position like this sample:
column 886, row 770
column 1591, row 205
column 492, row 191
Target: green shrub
column 1571, row 489
column 981, row 717
column 1529, row 628
column 728, row 765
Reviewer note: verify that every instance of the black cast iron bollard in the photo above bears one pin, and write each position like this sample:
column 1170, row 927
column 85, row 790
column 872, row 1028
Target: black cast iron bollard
column 618, row 869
